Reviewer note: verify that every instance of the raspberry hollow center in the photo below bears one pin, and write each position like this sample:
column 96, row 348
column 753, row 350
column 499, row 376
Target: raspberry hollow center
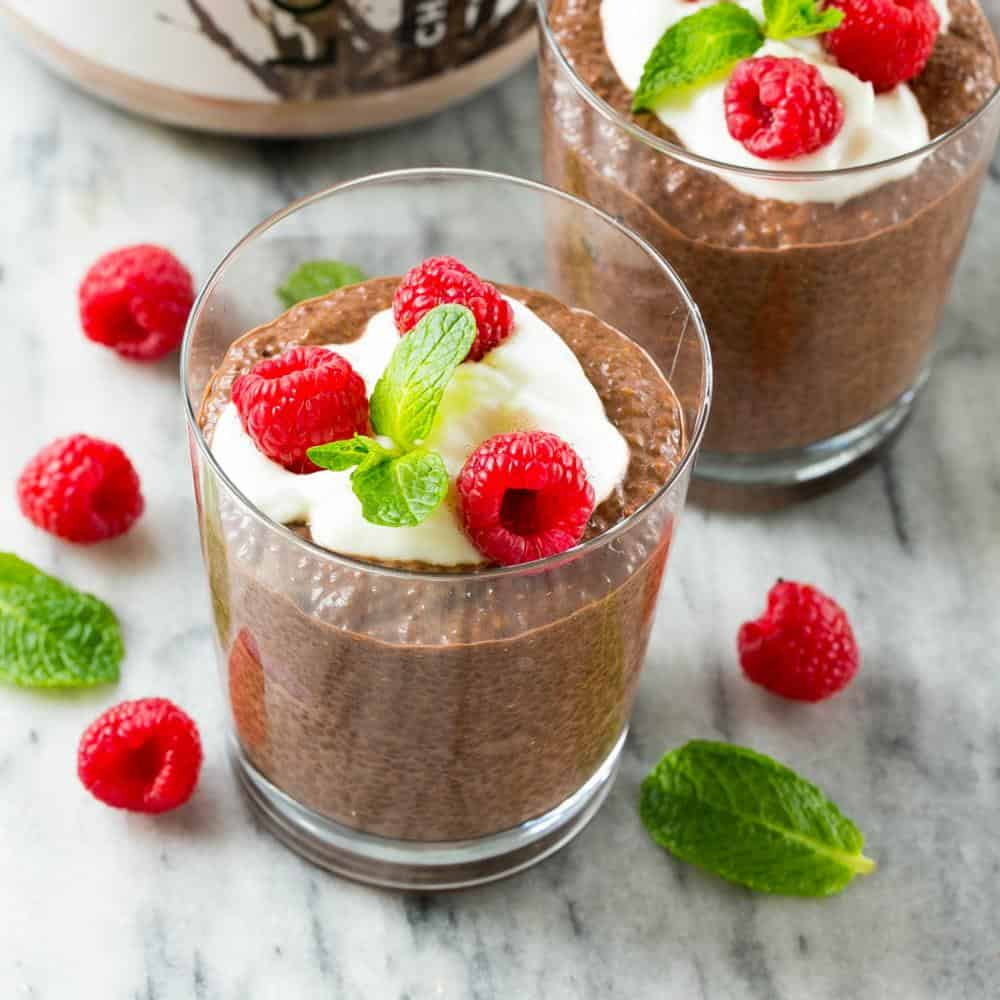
column 520, row 512
column 144, row 763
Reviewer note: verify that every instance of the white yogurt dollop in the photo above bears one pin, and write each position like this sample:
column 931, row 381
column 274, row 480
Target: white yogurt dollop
column 877, row 127
column 532, row 381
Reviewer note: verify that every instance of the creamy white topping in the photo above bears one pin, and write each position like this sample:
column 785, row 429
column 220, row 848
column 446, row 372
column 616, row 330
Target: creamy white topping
column 944, row 13
column 532, row 381
column 877, row 127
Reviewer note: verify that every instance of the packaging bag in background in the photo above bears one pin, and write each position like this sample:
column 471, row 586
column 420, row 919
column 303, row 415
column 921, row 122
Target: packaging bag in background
column 279, row 67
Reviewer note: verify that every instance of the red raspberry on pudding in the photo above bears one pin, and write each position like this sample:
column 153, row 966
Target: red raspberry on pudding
column 81, row 489
column 143, row 756
column 802, row 647
column 524, row 496
column 885, row 42
column 136, row 300
column 780, row 109
column 444, row 280
column 305, row 397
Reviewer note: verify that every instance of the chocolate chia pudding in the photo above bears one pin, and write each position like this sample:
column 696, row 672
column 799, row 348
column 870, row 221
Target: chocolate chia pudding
column 415, row 701
column 821, row 314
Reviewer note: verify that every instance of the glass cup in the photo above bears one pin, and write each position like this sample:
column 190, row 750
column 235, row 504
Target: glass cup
column 433, row 729
column 822, row 316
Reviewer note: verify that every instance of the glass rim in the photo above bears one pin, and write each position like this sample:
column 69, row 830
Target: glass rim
column 761, row 173
column 415, row 174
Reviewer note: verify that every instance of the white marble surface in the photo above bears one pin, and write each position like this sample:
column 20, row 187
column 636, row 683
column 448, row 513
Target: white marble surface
column 202, row 904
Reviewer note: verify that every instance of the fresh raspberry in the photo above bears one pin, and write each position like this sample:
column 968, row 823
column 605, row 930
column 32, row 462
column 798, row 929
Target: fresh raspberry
column 440, row 280
column 81, row 489
column 885, row 42
column 302, row 398
column 137, row 301
column 524, row 496
column 781, row 108
column 802, row 647
column 141, row 755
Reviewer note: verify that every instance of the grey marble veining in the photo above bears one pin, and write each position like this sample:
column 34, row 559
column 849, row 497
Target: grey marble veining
column 202, row 904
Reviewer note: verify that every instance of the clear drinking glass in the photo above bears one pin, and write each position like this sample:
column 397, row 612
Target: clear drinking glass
column 433, row 729
column 822, row 316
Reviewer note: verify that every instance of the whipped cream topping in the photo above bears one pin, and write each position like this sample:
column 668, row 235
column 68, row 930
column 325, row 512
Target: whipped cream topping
column 532, row 381
column 877, row 127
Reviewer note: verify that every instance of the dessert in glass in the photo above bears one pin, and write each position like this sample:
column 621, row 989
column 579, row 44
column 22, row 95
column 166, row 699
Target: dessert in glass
column 813, row 190
column 436, row 507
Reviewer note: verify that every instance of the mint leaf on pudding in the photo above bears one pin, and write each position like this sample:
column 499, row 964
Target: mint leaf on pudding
column 750, row 820
column 401, row 486
column 51, row 635
column 401, row 492
column 317, row 277
column 799, row 18
column 704, row 45
column 696, row 49
column 396, row 491
column 338, row 456
column 408, row 394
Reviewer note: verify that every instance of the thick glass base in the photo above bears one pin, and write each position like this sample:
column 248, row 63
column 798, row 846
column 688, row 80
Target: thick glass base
column 407, row 864
column 815, row 461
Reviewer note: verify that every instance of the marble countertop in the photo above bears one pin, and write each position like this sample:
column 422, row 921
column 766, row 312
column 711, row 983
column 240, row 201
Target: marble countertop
column 203, row 904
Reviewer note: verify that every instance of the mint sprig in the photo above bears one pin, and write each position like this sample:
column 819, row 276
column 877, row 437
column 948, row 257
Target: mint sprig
column 402, row 484
column 401, row 492
column 708, row 43
column 51, row 635
column 799, row 18
column 750, row 820
column 408, row 394
column 339, row 456
column 317, row 277
column 695, row 49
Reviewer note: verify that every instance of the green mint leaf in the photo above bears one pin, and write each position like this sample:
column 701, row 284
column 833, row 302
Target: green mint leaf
column 750, row 820
column 401, row 492
column 317, row 277
column 340, row 455
column 695, row 49
column 799, row 18
column 52, row 635
column 408, row 394
column 400, row 487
